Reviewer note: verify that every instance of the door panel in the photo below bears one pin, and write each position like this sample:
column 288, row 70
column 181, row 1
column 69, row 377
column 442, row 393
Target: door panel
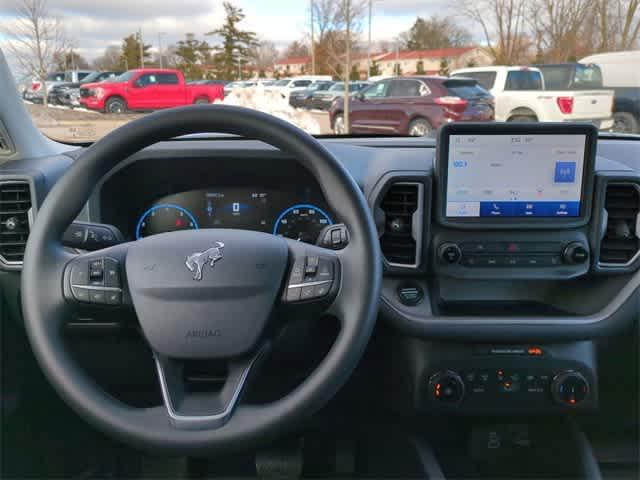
column 367, row 111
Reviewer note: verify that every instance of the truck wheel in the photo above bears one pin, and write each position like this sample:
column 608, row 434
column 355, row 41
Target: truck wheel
column 420, row 127
column 115, row 105
column 201, row 101
column 625, row 122
column 522, row 118
column 338, row 125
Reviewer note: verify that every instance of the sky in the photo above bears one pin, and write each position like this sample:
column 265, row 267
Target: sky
column 95, row 24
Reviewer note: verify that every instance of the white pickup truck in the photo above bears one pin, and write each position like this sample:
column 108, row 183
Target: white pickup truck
column 520, row 96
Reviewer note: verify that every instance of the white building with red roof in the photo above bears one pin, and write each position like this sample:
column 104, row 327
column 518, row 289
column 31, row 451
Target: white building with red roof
column 428, row 62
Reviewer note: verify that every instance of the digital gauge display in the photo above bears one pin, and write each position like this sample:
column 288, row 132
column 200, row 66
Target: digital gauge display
column 297, row 215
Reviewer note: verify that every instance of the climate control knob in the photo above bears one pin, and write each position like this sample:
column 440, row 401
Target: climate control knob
column 449, row 253
column 446, row 386
column 569, row 388
column 575, row 253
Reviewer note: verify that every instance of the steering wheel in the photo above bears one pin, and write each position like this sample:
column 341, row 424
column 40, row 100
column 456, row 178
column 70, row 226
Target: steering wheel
column 202, row 294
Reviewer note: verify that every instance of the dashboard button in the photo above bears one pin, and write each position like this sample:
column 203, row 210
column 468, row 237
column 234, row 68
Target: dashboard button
column 449, row 253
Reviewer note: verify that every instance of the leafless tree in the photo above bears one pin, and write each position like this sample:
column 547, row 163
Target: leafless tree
column 35, row 39
column 618, row 24
column 503, row 26
column 557, row 26
column 110, row 60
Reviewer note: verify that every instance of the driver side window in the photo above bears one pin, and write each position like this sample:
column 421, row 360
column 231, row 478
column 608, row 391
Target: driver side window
column 146, row 80
column 376, row 91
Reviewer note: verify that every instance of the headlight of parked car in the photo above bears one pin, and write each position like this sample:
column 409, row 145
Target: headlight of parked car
column 99, row 93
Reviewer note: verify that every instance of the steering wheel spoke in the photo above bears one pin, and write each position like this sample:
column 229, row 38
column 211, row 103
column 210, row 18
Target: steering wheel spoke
column 98, row 279
column 204, row 410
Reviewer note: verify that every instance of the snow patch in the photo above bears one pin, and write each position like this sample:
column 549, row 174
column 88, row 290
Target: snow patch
column 273, row 103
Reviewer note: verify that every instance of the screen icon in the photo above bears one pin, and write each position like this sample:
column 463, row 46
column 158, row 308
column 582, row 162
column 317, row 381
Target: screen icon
column 565, row 172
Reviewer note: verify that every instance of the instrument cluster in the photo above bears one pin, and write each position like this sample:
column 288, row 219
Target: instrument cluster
column 297, row 215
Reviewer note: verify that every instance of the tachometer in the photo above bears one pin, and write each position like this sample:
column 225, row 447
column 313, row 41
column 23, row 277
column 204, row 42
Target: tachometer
column 165, row 218
column 302, row 222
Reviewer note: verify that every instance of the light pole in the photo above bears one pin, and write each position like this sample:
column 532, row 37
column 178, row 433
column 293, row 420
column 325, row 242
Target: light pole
column 160, row 35
column 313, row 45
column 369, row 44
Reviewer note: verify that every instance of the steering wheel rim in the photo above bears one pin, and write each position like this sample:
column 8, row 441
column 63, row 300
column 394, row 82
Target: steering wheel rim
column 44, row 308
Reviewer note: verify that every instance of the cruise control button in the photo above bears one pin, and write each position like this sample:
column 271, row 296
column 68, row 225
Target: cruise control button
column 111, row 273
column 114, row 298
column 97, row 296
column 306, row 293
column 297, row 272
column 96, row 264
column 80, row 294
column 312, row 265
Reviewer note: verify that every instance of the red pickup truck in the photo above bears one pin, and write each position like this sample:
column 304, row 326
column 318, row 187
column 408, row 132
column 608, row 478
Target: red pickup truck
column 146, row 89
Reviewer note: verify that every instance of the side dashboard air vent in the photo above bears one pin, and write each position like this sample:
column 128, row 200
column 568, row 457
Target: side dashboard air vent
column 6, row 148
column 400, row 240
column 621, row 244
column 15, row 212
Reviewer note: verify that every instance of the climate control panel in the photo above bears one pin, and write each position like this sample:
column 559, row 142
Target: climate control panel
column 504, row 255
column 507, row 379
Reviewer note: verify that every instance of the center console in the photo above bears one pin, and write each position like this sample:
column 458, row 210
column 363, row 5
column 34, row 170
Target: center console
column 513, row 202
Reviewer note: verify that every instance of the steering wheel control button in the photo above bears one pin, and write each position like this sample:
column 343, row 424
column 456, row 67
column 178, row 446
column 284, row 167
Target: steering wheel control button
column 312, row 266
column 334, row 237
column 325, row 270
column 297, row 272
column 113, row 297
column 321, row 290
column 307, row 293
column 293, row 294
column 569, row 388
column 80, row 273
column 80, row 294
column 410, row 295
column 449, row 253
column 111, row 273
column 97, row 296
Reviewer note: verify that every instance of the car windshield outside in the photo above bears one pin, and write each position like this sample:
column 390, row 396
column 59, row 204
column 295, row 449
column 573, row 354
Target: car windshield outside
column 525, row 63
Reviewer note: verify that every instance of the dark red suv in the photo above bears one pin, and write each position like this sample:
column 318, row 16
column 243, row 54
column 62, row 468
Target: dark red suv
column 413, row 106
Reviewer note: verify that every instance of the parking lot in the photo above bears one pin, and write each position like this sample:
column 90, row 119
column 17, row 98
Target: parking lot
column 80, row 126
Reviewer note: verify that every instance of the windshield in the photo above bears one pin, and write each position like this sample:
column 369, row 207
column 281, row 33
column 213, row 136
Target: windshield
column 504, row 61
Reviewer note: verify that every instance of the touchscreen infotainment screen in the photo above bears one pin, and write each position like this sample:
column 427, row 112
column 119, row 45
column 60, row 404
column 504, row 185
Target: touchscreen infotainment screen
column 535, row 175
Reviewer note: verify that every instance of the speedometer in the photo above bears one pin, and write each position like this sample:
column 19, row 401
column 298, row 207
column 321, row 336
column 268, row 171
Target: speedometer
column 165, row 217
column 302, row 222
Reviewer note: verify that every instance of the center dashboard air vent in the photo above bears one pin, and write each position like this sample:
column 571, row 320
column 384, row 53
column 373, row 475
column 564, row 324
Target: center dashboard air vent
column 15, row 211
column 400, row 241
column 620, row 244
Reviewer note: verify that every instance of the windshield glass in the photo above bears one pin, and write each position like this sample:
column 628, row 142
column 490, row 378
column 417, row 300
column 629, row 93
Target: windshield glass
column 528, row 62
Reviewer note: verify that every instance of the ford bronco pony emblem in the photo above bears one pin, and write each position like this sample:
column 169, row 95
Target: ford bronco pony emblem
column 196, row 261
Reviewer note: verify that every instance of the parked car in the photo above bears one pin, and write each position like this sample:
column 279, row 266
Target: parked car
column 518, row 97
column 68, row 93
column 208, row 82
column 414, row 106
column 625, row 82
column 322, row 100
column 288, row 85
column 35, row 93
column 146, row 89
column 302, row 98
column 228, row 88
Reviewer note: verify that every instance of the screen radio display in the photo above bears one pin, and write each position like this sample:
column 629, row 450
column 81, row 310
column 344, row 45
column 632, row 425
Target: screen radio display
column 515, row 175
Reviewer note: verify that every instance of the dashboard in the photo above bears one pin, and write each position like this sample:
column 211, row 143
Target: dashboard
column 473, row 249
